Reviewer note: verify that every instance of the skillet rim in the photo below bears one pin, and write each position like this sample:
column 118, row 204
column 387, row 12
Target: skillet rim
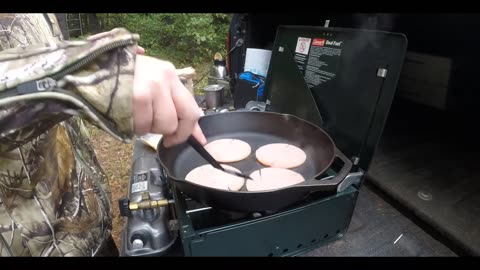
column 287, row 116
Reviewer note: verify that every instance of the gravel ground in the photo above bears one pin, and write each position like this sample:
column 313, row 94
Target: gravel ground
column 115, row 158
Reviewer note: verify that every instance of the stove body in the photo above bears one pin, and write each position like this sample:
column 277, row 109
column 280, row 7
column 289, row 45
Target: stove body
column 343, row 80
column 207, row 232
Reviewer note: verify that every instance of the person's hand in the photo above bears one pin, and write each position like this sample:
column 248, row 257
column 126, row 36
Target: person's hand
column 162, row 104
column 140, row 50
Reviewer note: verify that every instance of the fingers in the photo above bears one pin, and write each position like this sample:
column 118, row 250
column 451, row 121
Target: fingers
column 162, row 104
column 151, row 82
column 198, row 134
column 142, row 98
column 143, row 113
column 165, row 118
column 187, row 113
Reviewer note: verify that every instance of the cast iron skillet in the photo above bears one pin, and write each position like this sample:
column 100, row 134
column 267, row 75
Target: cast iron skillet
column 257, row 129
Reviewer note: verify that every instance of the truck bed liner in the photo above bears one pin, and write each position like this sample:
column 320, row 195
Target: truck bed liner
column 428, row 162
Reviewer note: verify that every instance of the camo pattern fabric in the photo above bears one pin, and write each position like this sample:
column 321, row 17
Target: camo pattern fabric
column 54, row 196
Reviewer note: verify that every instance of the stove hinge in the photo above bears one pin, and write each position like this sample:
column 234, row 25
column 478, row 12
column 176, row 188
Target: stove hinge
column 382, row 72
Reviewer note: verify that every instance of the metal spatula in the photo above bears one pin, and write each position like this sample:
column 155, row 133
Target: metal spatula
column 204, row 153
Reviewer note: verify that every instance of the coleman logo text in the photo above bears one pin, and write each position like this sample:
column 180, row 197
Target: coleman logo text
column 318, row 42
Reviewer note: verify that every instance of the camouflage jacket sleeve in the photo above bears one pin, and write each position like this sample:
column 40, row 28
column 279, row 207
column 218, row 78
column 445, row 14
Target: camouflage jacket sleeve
column 41, row 86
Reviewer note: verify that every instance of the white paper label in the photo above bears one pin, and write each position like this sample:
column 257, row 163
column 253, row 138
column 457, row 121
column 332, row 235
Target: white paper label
column 140, row 186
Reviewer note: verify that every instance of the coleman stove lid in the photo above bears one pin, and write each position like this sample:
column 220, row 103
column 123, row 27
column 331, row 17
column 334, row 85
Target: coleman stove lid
column 343, row 80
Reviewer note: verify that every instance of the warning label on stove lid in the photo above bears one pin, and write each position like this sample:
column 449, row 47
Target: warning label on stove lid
column 320, row 62
column 303, row 45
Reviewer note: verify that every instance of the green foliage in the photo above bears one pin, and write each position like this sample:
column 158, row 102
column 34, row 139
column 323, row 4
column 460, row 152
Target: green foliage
column 183, row 39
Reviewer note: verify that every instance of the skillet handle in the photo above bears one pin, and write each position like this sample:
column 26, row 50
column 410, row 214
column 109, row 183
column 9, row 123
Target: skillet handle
column 331, row 183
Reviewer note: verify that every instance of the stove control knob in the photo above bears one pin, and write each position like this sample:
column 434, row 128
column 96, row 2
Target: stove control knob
column 123, row 206
column 137, row 243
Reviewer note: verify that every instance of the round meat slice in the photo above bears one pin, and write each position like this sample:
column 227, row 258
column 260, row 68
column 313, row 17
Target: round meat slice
column 228, row 150
column 273, row 178
column 207, row 175
column 280, row 155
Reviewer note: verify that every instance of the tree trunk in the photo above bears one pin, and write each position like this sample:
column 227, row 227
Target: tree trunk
column 93, row 25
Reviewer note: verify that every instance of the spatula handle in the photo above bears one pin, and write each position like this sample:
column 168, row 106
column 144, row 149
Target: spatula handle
column 204, row 153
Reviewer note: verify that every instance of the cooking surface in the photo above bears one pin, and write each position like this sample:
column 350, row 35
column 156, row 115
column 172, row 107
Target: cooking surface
column 308, row 169
column 257, row 129
column 248, row 165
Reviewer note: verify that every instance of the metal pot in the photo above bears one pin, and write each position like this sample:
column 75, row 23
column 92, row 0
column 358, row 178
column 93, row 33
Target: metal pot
column 214, row 96
column 217, row 72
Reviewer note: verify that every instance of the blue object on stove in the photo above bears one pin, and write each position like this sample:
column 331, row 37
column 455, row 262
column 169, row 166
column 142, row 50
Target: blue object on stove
column 253, row 78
